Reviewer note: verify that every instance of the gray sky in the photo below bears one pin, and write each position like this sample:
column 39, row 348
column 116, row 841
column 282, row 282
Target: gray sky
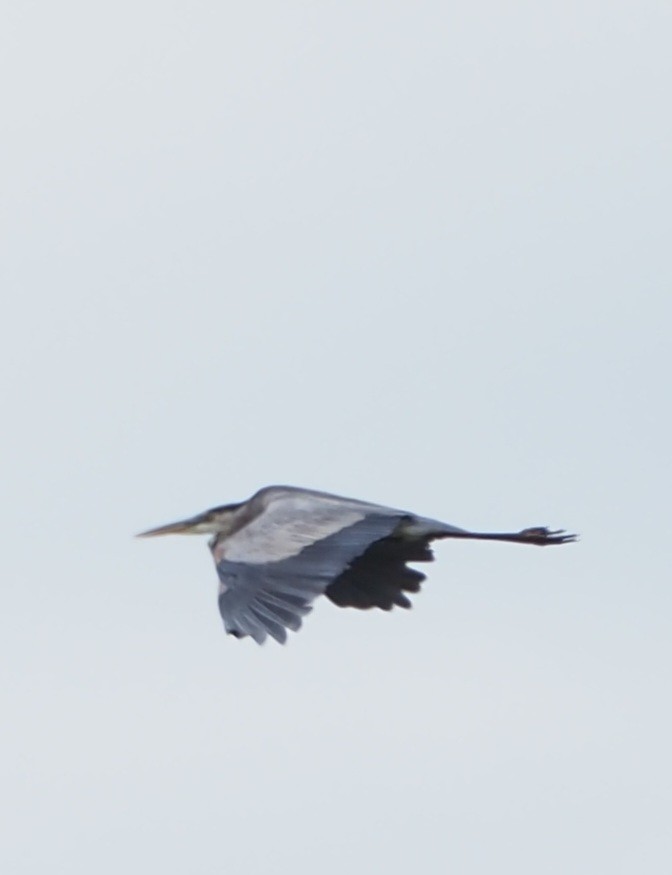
column 416, row 253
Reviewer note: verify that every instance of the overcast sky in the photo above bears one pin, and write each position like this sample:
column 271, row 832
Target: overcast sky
column 415, row 253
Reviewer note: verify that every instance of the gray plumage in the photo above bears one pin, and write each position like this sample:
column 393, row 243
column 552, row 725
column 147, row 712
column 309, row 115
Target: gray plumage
column 276, row 553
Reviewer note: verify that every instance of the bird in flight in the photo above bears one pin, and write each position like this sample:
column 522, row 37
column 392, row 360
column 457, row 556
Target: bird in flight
column 285, row 546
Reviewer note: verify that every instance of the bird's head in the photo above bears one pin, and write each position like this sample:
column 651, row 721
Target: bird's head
column 217, row 520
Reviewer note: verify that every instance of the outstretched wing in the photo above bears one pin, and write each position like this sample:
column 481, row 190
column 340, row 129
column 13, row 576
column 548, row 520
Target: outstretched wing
column 298, row 544
column 379, row 578
column 273, row 568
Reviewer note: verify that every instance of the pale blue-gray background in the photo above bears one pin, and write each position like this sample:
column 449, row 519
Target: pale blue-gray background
column 417, row 253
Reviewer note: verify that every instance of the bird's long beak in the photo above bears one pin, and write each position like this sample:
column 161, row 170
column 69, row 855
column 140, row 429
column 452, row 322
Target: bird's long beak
column 193, row 526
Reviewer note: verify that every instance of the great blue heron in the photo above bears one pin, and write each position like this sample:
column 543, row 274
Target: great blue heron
column 284, row 547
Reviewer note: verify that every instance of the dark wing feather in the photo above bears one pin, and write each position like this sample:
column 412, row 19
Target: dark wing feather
column 379, row 577
column 267, row 598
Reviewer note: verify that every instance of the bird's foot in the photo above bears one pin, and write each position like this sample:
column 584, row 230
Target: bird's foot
column 543, row 536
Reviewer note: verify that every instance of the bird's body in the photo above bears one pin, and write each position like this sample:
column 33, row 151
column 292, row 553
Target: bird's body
column 285, row 546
